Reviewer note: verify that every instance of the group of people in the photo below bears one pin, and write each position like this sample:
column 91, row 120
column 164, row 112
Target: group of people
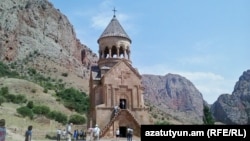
column 28, row 133
column 68, row 134
column 63, row 134
column 94, row 133
column 129, row 134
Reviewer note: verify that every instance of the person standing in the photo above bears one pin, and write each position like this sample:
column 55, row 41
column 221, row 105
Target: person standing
column 129, row 134
column 116, row 108
column 58, row 136
column 75, row 135
column 122, row 104
column 68, row 131
column 96, row 133
column 117, row 133
column 64, row 134
column 2, row 130
column 28, row 133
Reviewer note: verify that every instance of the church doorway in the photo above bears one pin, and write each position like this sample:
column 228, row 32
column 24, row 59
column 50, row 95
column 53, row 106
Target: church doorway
column 123, row 103
column 123, row 131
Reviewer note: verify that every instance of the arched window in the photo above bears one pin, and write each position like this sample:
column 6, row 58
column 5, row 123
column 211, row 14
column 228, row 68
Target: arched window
column 106, row 52
column 113, row 51
column 121, row 51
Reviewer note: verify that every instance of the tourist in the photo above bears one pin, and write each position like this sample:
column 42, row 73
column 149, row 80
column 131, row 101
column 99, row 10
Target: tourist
column 123, row 106
column 64, row 134
column 75, row 135
column 68, row 132
column 58, row 134
column 116, row 108
column 81, row 134
column 129, row 134
column 28, row 133
column 2, row 130
column 96, row 133
column 117, row 133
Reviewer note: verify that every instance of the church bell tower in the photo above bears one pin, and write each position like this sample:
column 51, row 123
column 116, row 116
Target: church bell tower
column 114, row 44
column 114, row 82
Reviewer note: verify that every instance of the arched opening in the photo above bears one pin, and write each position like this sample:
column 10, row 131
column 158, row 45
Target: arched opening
column 114, row 52
column 121, row 51
column 106, row 52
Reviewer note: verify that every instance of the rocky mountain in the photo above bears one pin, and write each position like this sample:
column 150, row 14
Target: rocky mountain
column 234, row 108
column 174, row 95
column 33, row 34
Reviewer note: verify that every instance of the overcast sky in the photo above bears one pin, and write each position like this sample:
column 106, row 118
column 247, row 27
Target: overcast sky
column 205, row 41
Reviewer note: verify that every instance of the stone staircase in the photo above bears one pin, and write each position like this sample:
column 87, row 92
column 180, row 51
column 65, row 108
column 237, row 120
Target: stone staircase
column 105, row 129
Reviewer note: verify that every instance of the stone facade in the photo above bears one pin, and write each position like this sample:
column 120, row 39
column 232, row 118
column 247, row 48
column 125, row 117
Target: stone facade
column 115, row 82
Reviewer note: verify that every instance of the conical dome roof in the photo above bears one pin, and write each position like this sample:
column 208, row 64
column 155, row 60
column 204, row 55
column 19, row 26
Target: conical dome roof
column 114, row 28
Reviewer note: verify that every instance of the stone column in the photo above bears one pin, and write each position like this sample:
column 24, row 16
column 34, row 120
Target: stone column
column 118, row 51
column 110, row 53
column 125, row 53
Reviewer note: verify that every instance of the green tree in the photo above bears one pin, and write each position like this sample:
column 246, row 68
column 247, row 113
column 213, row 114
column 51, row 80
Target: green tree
column 208, row 118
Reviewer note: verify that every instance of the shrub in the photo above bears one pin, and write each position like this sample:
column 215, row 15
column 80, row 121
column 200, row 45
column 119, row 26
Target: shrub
column 45, row 90
column 33, row 90
column 30, row 104
column 74, row 99
column 41, row 110
column 65, row 74
column 5, row 71
column 2, row 100
column 17, row 99
column 32, row 71
column 4, row 91
column 162, row 122
column 25, row 111
column 77, row 119
column 57, row 116
column 20, row 99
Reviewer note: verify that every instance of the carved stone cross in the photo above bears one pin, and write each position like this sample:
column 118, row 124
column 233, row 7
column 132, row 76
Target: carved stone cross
column 121, row 76
column 124, row 75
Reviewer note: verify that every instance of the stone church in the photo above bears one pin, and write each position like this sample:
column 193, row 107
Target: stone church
column 114, row 82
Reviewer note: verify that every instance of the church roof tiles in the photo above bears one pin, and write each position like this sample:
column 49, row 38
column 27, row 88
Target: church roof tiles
column 114, row 28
